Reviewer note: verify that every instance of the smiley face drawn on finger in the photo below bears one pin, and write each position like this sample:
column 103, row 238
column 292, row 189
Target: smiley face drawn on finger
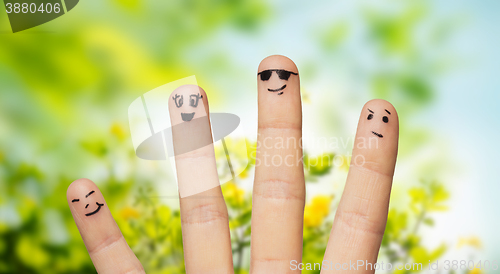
column 265, row 75
column 385, row 119
column 193, row 102
column 99, row 205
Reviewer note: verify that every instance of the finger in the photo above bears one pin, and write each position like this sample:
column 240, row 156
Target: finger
column 279, row 189
column 107, row 248
column 362, row 213
column 205, row 227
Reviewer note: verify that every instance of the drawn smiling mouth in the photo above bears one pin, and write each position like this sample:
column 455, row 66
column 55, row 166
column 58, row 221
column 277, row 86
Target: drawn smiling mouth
column 378, row 134
column 186, row 117
column 278, row 89
column 95, row 211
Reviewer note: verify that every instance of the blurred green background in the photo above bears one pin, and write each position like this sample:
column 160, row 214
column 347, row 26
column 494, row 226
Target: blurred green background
column 65, row 88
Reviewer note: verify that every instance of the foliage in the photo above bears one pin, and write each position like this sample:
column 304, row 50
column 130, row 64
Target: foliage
column 61, row 117
column 317, row 166
column 402, row 241
column 153, row 230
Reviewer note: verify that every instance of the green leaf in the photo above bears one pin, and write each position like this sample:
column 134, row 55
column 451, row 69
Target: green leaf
column 416, row 88
column 428, row 221
column 320, row 165
column 419, row 255
column 438, row 252
column 335, row 35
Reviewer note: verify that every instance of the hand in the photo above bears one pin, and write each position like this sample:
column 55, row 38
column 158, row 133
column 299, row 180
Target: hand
column 278, row 194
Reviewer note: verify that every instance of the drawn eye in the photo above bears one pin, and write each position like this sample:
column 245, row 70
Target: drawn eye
column 178, row 100
column 370, row 116
column 385, row 119
column 194, row 99
column 283, row 74
column 265, row 75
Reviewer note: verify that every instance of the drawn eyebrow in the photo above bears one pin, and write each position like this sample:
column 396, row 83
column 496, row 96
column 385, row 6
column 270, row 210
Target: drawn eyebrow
column 294, row 73
column 371, row 111
column 387, row 112
column 90, row 193
column 75, row 200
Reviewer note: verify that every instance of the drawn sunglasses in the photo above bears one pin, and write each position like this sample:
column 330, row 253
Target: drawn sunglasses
column 282, row 74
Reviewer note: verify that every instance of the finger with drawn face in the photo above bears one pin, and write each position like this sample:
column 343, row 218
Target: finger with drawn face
column 107, row 248
column 279, row 82
column 362, row 213
column 279, row 189
column 188, row 103
column 205, row 226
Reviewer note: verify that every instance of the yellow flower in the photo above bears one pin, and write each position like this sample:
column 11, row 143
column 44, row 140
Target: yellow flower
column 243, row 174
column 128, row 213
column 346, row 162
column 305, row 94
column 317, row 210
column 31, row 253
column 233, row 193
column 470, row 241
column 475, row 271
column 117, row 130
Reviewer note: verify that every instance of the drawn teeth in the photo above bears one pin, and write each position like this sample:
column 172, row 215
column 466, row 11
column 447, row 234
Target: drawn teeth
column 186, row 117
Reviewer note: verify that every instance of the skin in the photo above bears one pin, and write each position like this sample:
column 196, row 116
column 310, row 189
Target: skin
column 278, row 194
column 279, row 189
